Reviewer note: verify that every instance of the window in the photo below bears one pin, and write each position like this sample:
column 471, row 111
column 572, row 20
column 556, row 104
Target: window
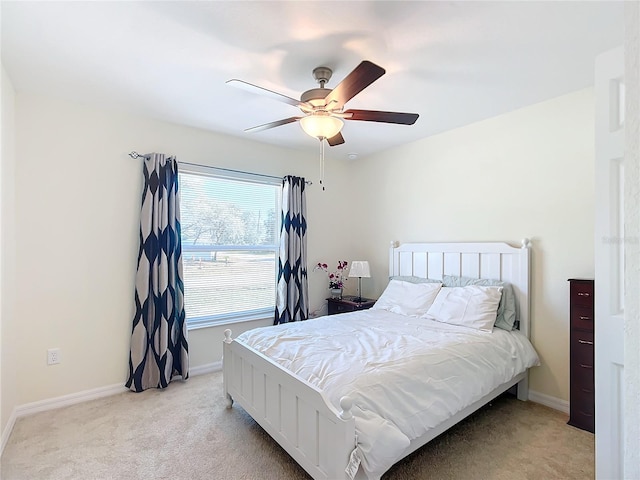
column 229, row 232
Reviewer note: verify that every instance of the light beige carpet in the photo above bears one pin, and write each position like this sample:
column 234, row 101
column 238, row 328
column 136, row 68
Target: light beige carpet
column 185, row 432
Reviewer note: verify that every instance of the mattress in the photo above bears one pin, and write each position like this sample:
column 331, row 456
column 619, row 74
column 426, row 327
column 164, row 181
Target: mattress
column 405, row 375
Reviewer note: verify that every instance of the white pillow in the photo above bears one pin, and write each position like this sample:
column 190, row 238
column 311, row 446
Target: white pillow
column 473, row 306
column 406, row 298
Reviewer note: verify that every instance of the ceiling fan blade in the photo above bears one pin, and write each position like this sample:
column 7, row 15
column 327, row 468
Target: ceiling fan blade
column 360, row 78
column 269, row 125
column 385, row 117
column 249, row 87
column 337, row 139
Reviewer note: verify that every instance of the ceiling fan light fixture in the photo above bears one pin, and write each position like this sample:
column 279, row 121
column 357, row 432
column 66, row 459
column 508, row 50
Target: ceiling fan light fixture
column 321, row 125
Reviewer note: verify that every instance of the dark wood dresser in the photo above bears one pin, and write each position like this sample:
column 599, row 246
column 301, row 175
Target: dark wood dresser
column 581, row 392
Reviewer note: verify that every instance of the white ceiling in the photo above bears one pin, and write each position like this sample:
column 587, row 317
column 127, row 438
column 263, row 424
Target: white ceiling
column 454, row 63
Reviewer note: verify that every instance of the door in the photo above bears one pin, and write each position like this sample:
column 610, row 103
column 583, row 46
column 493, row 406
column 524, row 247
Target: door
column 609, row 264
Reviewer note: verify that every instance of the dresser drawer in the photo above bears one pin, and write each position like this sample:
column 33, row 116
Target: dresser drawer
column 583, row 395
column 582, row 347
column 582, row 377
column 582, row 401
column 337, row 307
column 582, row 405
column 582, row 318
column 582, row 293
column 581, row 419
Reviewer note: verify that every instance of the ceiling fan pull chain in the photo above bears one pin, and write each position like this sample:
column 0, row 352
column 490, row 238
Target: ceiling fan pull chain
column 322, row 163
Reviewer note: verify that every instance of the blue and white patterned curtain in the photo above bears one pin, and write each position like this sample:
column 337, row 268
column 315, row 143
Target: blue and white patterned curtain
column 292, row 293
column 159, row 347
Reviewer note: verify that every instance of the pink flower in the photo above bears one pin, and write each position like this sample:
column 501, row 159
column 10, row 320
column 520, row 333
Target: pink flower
column 337, row 278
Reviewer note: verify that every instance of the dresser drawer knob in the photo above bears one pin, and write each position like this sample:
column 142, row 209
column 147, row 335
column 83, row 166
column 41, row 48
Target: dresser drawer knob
column 586, row 366
column 584, row 294
column 585, row 318
column 585, row 342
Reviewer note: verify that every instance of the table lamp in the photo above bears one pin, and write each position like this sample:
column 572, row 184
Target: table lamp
column 359, row 268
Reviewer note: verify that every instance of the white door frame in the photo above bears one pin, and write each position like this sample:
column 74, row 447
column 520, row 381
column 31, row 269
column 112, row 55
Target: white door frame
column 609, row 264
column 632, row 232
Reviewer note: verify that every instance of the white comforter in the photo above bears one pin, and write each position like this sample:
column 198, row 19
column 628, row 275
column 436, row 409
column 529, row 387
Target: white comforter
column 405, row 375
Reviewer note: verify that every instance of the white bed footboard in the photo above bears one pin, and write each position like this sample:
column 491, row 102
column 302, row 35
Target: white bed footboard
column 295, row 413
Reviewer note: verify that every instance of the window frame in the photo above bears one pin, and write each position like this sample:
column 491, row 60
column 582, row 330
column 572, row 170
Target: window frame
column 205, row 321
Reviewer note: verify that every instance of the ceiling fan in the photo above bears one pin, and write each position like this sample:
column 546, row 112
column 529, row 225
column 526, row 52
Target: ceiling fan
column 323, row 108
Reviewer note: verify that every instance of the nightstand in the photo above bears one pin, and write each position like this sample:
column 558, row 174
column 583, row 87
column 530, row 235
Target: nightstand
column 348, row 304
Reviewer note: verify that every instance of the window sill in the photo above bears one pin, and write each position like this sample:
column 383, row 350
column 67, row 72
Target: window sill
column 227, row 321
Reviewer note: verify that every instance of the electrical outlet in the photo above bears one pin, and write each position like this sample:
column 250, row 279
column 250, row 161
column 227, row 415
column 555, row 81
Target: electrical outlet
column 53, row 356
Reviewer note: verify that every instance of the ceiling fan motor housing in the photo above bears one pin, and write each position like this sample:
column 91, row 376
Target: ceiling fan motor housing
column 315, row 96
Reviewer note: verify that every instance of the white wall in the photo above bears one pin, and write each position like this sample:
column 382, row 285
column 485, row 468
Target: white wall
column 77, row 206
column 77, row 197
column 8, row 390
column 529, row 173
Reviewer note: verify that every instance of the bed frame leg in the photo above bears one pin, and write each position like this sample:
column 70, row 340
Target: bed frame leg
column 523, row 389
column 225, row 366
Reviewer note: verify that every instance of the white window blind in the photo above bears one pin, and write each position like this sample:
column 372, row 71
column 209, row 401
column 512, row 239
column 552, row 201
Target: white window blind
column 229, row 228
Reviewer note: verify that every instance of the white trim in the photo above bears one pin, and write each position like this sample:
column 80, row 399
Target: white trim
column 549, row 401
column 70, row 399
column 229, row 174
column 208, row 322
column 206, row 368
column 93, row 394
column 6, row 433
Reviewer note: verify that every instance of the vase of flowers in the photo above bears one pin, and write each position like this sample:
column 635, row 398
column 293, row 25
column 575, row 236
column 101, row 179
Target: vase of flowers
column 337, row 277
column 336, row 293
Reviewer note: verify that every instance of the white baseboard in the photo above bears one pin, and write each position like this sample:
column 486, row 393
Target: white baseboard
column 95, row 393
column 207, row 368
column 71, row 399
column 79, row 397
column 6, row 433
column 549, row 401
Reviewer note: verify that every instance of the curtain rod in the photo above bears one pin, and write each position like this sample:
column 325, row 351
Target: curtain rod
column 135, row 154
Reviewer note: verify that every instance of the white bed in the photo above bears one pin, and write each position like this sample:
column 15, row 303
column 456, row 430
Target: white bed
column 323, row 419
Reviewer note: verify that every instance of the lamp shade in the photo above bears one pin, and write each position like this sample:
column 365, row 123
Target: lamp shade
column 321, row 125
column 360, row 268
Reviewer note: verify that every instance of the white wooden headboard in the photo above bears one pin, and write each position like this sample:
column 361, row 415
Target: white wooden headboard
column 491, row 260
